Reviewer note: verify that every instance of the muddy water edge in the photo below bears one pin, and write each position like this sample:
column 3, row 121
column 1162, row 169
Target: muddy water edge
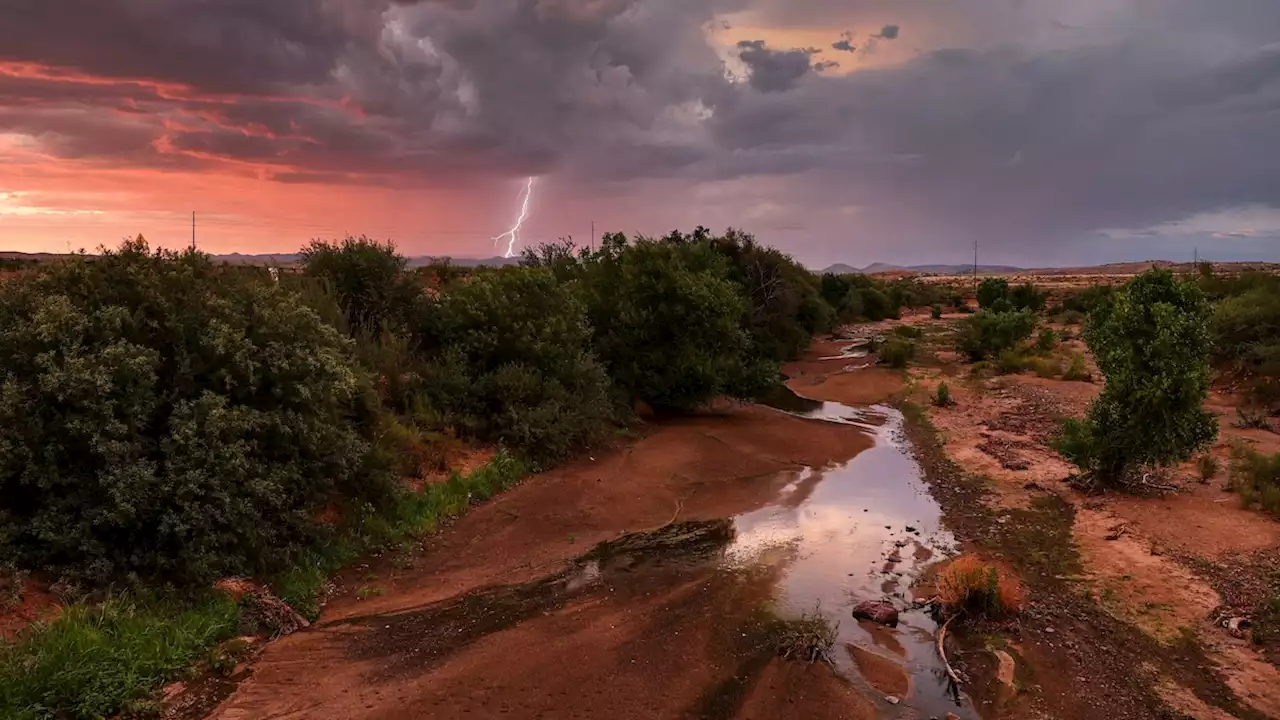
column 834, row 536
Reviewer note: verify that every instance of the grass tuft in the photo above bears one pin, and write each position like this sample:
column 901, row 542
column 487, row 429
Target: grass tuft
column 809, row 637
column 1255, row 477
column 980, row 589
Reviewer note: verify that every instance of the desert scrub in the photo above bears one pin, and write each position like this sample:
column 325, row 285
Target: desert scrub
column 1045, row 367
column 1046, row 340
column 1011, row 361
column 909, row 332
column 1208, row 467
column 936, row 312
column 1255, row 477
column 979, row 589
column 942, row 396
column 987, row 333
column 97, row 661
column 897, row 352
column 1076, row 369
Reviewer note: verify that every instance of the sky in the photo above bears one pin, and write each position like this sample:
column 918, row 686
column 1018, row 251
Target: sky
column 902, row 131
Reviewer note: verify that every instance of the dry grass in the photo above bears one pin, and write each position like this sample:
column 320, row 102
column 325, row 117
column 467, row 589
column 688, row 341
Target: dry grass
column 979, row 588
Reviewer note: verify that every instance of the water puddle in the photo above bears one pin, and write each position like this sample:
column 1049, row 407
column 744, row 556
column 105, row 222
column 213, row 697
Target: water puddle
column 859, row 531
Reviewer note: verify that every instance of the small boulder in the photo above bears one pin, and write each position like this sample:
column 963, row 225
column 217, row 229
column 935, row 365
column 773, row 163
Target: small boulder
column 877, row 611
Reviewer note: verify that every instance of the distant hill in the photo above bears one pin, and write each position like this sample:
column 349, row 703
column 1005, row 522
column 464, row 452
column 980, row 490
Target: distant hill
column 877, row 268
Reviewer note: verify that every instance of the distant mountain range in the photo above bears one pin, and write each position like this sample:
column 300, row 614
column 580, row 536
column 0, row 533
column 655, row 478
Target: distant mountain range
column 874, row 268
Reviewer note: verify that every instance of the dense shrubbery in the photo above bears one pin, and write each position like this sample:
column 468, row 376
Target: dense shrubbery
column 165, row 420
column 512, row 363
column 986, row 333
column 1246, row 329
column 1151, row 342
column 368, row 280
column 1083, row 302
column 995, row 294
column 992, row 290
column 857, row 297
column 669, row 324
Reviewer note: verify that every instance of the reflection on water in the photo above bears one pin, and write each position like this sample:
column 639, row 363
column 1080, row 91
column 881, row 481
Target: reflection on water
column 860, row 530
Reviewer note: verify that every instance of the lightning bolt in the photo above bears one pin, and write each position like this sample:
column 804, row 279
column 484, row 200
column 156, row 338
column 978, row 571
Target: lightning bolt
column 513, row 235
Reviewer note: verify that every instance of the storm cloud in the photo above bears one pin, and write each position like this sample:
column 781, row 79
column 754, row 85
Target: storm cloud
column 1027, row 126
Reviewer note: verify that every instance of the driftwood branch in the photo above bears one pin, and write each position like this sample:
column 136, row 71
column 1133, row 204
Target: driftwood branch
column 942, row 653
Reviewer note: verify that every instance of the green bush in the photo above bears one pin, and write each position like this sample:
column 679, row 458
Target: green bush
column 991, row 290
column 1152, row 344
column 1077, row 370
column 511, row 362
column 163, row 420
column 942, row 398
column 936, row 312
column 860, row 297
column 897, row 352
column 1085, row 301
column 786, row 308
column 1255, row 477
column 1011, row 361
column 368, row 280
column 1027, row 297
column 1045, row 367
column 670, row 324
column 910, row 332
column 986, row 334
column 1046, row 340
column 96, row 661
column 1208, row 467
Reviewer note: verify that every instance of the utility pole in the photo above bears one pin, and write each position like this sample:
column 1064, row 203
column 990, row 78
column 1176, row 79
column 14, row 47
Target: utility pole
column 975, row 265
column 193, row 230
column 593, row 235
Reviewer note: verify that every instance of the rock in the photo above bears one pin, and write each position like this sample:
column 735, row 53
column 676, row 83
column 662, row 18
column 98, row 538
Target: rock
column 1017, row 465
column 892, row 700
column 877, row 611
column 952, row 716
column 911, row 529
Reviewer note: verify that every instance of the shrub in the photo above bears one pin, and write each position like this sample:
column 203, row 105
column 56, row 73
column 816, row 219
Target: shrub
column 786, row 308
column 897, row 352
column 1045, row 367
column 368, row 280
column 1046, row 340
column 669, row 324
column 1251, row 418
column 942, row 397
column 809, row 637
column 1152, row 344
column 987, row 333
column 980, row 589
column 992, row 290
column 1011, row 361
column 910, row 332
column 1208, row 467
column 1076, row 370
column 936, row 312
column 1255, row 477
column 876, row 305
column 167, row 421
column 1085, row 301
column 1026, row 297
column 511, row 363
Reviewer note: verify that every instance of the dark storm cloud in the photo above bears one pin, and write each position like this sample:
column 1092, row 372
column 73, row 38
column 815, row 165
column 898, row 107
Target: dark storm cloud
column 773, row 70
column 1008, row 127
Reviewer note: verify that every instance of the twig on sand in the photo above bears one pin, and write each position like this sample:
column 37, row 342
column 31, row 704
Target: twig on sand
column 674, row 515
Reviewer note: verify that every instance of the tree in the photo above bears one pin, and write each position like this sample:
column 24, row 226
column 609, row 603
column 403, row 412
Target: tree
column 1152, row 343
column 163, row 419
column 992, row 290
column 670, row 324
column 368, row 279
column 512, row 363
column 987, row 333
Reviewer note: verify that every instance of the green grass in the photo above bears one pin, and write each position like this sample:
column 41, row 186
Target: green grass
column 1077, row 370
column 96, row 661
column 415, row 515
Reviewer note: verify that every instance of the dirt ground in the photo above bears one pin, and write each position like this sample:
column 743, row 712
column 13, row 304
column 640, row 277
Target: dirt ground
column 1158, row 565
column 495, row 619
